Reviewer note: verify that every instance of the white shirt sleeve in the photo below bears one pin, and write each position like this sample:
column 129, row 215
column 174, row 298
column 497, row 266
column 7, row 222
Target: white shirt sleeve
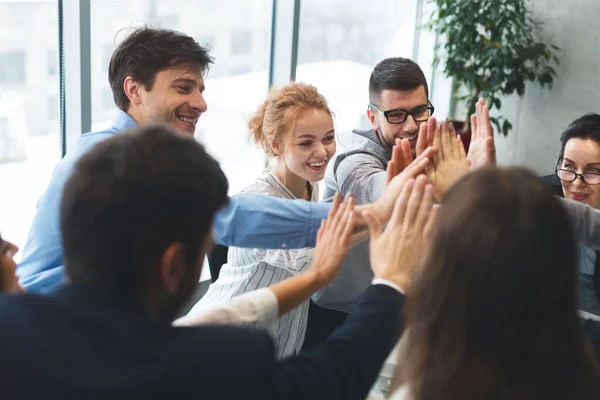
column 258, row 308
column 379, row 281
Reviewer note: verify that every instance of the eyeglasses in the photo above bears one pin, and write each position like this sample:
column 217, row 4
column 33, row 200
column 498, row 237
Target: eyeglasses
column 591, row 178
column 398, row 116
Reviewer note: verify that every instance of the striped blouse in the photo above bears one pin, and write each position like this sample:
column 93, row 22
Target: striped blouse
column 250, row 269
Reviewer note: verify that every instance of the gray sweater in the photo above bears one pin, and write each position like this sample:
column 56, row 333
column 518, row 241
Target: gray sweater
column 359, row 166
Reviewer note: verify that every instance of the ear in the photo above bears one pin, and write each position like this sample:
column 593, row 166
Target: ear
column 275, row 146
column 172, row 267
column 372, row 119
column 132, row 89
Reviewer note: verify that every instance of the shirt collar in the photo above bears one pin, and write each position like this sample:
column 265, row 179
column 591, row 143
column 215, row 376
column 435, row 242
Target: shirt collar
column 123, row 121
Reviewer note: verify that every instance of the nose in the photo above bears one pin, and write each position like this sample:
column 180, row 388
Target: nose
column 579, row 181
column 197, row 102
column 320, row 151
column 410, row 125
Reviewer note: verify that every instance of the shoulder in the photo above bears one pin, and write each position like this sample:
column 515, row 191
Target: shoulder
column 227, row 348
column 265, row 184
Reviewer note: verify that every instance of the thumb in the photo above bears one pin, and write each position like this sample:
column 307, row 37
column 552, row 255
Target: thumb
column 373, row 224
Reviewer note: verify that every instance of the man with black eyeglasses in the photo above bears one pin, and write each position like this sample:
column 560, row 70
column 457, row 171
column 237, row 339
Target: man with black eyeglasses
column 398, row 105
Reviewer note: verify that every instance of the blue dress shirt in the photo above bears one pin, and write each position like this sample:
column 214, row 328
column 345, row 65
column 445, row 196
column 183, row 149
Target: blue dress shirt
column 249, row 220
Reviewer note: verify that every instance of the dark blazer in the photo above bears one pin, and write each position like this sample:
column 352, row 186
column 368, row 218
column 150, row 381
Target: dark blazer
column 81, row 343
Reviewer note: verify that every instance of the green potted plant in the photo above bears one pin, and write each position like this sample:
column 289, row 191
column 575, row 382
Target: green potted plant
column 489, row 49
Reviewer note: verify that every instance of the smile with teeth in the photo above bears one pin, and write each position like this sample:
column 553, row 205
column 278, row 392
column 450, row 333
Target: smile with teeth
column 191, row 121
column 317, row 164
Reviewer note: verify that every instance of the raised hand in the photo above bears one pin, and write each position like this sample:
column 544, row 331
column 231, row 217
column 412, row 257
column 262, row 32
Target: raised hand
column 482, row 150
column 401, row 158
column 396, row 251
column 449, row 161
column 333, row 240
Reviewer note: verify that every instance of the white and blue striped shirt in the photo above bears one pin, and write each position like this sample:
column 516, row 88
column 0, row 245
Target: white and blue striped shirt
column 250, row 269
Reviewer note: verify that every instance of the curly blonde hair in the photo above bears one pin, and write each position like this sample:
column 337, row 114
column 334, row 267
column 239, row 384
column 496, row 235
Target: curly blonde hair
column 278, row 114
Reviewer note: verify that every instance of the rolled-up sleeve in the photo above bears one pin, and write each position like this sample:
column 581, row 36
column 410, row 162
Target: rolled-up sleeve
column 266, row 222
column 258, row 308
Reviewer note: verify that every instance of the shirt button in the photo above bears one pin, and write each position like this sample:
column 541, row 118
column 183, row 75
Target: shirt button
column 283, row 245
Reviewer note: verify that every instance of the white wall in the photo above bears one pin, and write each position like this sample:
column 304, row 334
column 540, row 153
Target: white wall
column 541, row 115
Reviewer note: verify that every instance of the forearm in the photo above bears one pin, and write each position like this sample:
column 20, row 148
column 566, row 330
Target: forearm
column 292, row 292
column 266, row 222
column 257, row 308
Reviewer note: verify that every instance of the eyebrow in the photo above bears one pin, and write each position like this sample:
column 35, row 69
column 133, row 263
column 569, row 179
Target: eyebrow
column 309, row 136
column 587, row 165
column 189, row 81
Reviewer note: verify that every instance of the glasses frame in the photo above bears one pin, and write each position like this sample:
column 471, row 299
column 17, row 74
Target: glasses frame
column 386, row 113
column 576, row 176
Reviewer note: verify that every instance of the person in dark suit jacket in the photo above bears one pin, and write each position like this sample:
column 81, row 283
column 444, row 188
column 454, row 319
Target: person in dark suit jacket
column 136, row 220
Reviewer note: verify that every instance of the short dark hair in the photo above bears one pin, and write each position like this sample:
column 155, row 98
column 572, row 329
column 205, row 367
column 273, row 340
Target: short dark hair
column 132, row 196
column 497, row 299
column 396, row 73
column 145, row 52
column 585, row 127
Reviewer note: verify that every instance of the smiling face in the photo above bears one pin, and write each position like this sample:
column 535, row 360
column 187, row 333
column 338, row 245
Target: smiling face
column 308, row 149
column 176, row 97
column 394, row 100
column 582, row 156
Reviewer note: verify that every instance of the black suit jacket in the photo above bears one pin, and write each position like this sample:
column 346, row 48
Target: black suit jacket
column 84, row 344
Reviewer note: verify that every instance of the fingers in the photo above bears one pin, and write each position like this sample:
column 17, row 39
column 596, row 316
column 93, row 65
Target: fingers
column 431, row 128
column 418, row 165
column 347, row 229
column 335, row 204
column 484, row 120
column 460, row 147
column 334, row 221
column 342, row 217
column 422, row 139
column 447, row 146
column 431, row 220
column 474, row 127
column 437, row 143
column 321, row 230
column 407, row 157
column 424, row 207
column 490, row 150
column 414, row 202
column 400, row 205
column 390, row 172
column 373, row 224
column 451, row 137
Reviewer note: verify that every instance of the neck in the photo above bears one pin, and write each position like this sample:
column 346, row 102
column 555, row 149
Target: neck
column 295, row 184
column 133, row 113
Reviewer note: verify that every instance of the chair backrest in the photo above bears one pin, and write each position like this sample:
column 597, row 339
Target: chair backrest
column 216, row 259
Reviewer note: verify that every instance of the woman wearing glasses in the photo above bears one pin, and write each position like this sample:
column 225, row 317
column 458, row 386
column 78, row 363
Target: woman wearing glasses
column 578, row 168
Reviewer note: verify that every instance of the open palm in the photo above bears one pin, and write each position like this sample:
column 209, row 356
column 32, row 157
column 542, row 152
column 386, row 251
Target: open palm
column 482, row 150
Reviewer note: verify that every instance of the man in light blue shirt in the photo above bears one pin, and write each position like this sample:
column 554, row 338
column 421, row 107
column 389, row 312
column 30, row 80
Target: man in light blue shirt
column 157, row 75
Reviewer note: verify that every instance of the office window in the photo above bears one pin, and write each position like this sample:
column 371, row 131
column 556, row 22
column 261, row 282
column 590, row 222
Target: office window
column 234, row 88
column 53, row 107
column 12, row 67
column 241, row 42
column 52, row 63
column 339, row 45
column 29, row 137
